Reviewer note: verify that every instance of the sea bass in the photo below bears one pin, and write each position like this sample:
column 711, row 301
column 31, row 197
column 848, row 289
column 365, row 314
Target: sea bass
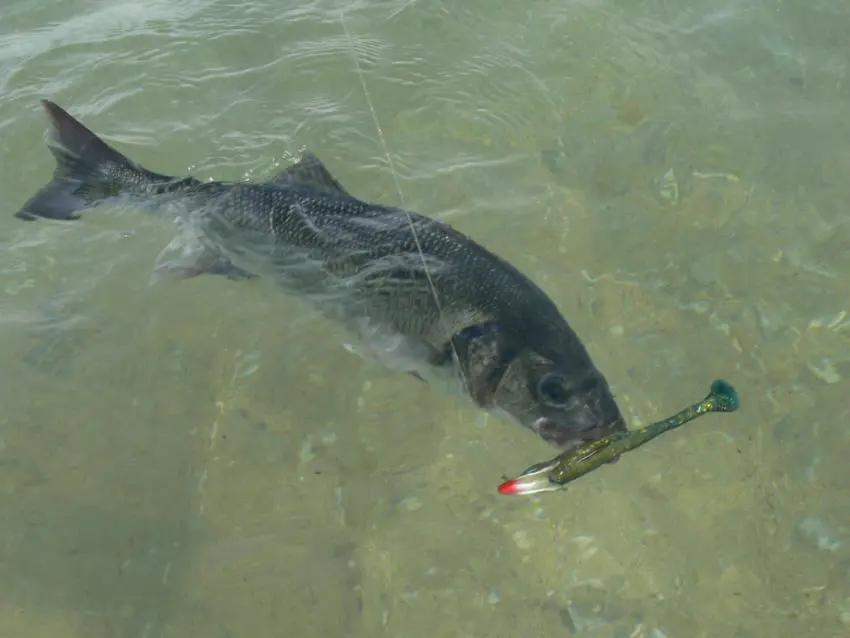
column 417, row 295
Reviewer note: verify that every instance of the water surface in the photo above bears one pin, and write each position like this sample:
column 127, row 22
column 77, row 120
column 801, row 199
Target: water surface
column 203, row 458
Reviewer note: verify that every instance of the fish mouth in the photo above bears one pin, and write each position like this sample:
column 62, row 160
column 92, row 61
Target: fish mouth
column 559, row 438
column 564, row 438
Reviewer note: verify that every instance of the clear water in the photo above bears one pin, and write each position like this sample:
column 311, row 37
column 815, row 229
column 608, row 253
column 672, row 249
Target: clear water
column 205, row 459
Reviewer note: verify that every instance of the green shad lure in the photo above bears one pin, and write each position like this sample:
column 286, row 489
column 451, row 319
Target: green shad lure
column 553, row 475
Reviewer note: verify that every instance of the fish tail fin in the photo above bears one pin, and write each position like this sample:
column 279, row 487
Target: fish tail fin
column 88, row 170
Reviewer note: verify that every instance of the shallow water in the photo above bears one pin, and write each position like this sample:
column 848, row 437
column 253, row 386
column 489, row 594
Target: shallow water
column 205, row 459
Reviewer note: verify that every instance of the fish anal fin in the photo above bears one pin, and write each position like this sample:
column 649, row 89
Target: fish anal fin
column 186, row 257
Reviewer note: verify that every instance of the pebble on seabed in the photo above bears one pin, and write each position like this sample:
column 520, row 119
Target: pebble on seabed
column 522, row 540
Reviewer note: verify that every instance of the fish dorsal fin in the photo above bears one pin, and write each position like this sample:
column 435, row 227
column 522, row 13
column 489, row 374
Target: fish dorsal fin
column 308, row 170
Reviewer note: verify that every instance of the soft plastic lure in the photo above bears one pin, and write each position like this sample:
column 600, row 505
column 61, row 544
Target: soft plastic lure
column 553, row 475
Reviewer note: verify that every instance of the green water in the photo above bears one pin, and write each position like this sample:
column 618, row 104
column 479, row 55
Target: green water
column 205, row 459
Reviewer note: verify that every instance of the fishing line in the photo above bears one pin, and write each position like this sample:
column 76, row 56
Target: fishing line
column 362, row 77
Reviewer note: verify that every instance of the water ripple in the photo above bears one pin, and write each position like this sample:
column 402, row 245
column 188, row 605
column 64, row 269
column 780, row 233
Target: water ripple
column 113, row 21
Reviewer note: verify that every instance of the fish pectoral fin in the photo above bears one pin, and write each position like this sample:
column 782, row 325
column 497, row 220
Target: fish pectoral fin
column 484, row 357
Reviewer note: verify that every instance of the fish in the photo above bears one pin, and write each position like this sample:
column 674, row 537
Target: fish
column 412, row 292
column 552, row 476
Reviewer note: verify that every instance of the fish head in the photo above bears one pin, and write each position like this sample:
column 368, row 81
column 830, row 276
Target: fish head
column 561, row 397
column 563, row 406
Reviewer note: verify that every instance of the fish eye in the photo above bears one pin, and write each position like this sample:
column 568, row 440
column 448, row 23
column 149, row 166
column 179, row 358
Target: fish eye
column 552, row 389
